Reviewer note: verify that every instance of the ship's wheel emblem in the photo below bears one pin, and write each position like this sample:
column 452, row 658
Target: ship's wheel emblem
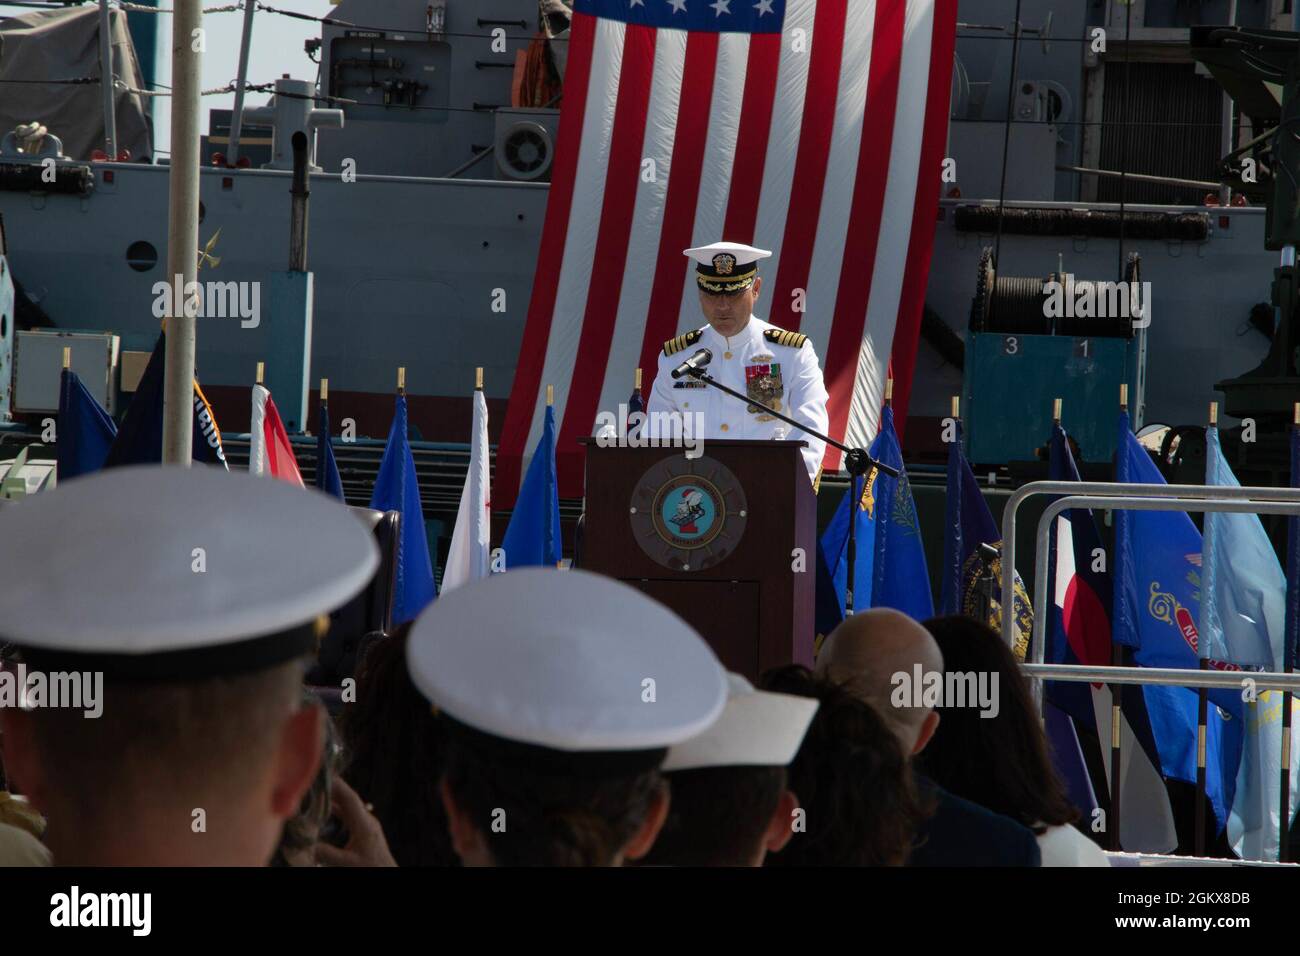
column 688, row 514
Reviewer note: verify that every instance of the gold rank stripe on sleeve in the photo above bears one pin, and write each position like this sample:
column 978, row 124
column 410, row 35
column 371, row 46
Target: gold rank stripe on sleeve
column 794, row 340
column 685, row 340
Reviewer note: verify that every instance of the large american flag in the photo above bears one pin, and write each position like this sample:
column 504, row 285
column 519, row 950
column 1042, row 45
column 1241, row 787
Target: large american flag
column 815, row 128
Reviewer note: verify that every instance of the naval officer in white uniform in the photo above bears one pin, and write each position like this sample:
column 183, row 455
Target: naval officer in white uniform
column 753, row 357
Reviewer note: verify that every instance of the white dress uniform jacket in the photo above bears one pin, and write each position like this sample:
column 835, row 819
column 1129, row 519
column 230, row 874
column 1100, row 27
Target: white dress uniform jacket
column 786, row 376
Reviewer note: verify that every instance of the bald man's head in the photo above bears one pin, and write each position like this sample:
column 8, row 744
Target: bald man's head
column 867, row 650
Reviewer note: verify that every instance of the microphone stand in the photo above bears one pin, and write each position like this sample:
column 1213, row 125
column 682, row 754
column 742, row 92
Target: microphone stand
column 856, row 461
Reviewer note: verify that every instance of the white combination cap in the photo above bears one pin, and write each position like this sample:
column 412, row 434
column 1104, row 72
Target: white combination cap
column 726, row 267
column 162, row 572
column 756, row 729
column 566, row 660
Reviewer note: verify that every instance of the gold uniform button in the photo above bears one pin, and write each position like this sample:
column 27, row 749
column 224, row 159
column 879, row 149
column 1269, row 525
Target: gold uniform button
column 726, row 355
column 686, row 404
column 725, row 427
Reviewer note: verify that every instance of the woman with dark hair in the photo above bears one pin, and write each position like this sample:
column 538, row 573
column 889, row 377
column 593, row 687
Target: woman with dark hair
column 396, row 751
column 1001, row 762
column 860, row 803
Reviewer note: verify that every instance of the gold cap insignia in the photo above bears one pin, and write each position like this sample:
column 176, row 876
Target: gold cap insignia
column 723, row 264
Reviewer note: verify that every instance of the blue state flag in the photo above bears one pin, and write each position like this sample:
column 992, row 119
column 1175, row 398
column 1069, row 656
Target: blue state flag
column 327, row 469
column 1244, row 622
column 533, row 535
column 1079, row 632
column 397, row 488
column 967, row 524
column 140, row 436
column 900, row 577
column 1157, row 580
column 635, row 405
column 833, row 561
column 85, row 433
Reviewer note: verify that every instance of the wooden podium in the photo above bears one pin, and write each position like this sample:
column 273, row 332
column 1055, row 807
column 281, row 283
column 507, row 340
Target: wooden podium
column 714, row 538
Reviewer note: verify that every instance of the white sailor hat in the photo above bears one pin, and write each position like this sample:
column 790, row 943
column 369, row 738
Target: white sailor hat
column 568, row 661
column 757, row 729
column 726, row 266
column 166, row 573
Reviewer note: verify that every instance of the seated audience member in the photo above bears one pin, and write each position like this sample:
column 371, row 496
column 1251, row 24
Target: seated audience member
column 1002, row 762
column 365, row 844
column 395, row 751
column 145, row 575
column 859, row 804
column 301, row 831
column 15, row 810
column 863, row 655
column 730, row 803
column 561, row 692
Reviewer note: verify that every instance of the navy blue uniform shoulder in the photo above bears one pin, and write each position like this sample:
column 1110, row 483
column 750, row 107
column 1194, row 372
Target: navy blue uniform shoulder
column 962, row 833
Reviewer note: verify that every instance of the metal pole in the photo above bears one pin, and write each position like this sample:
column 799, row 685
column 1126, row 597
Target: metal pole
column 1225, row 192
column 1161, row 676
column 182, row 232
column 1129, row 492
column 106, row 79
column 1006, row 148
column 237, row 115
column 1227, row 502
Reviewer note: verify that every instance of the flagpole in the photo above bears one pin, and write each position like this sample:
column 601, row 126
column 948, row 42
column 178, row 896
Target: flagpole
column 324, row 390
column 554, row 532
column 261, row 374
column 1288, row 654
column 854, row 503
column 401, row 380
column 1202, row 702
column 182, row 235
column 1116, row 702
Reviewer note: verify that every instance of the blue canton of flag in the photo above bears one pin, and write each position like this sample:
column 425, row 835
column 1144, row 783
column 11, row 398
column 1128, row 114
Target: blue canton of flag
column 712, row 16
column 900, row 579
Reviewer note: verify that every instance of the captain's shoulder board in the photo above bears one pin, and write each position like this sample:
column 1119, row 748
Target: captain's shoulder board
column 683, row 341
column 794, row 340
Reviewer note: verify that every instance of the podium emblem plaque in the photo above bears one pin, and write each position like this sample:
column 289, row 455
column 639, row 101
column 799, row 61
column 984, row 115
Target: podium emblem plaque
column 688, row 514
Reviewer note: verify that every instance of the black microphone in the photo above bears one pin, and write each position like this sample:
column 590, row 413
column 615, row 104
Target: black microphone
column 697, row 361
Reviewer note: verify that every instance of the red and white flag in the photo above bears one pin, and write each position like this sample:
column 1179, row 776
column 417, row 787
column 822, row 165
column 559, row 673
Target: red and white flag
column 269, row 451
column 815, row 128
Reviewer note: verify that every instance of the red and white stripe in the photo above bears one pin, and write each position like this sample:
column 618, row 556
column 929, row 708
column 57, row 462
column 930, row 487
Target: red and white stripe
column 823, row 144
column 269, row 450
